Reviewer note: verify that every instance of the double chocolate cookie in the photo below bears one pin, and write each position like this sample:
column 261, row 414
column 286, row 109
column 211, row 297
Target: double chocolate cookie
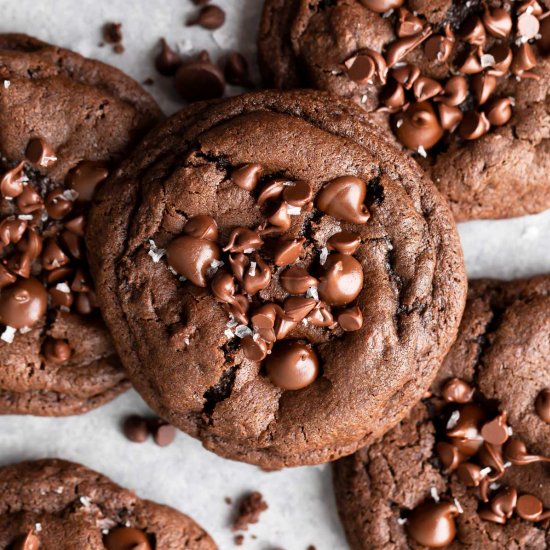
column 470, row 467
column 64, row 122
column 59, row 505
column 282, row 283
column 463, row 85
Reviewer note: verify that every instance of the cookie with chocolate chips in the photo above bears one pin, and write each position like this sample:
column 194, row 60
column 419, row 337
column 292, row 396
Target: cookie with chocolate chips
column 470, row 467
column 282, row 282
column 64, row 123
column 58, row 505
column 462, row 85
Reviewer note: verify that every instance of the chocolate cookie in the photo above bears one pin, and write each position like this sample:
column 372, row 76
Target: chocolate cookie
column 470, row 466
column 463, row 85
column 64, row 122
column 58, row 505
column 282, row 282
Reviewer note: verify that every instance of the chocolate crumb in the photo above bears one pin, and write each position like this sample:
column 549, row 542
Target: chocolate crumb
column 238, row 540
column 228, row 500
column 148, row 81
column 250, row 509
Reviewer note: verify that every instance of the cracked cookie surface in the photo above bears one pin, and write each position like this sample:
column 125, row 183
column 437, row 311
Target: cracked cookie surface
column 307, row 43
column 64, row 122
column 59, row 505
column 176, row 339
column 502, row 351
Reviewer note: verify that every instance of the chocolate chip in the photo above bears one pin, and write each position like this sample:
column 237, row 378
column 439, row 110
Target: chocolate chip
column 199, row 80
column 57, row 351
column 163, row 433
column 40, row 153
column 210, row 17
column 123, row 538
column 23, row 304
column 542, row 405
column 292, row 365
column 236, row 70
column 136, row 429
column 432, row 524
column 167, row 60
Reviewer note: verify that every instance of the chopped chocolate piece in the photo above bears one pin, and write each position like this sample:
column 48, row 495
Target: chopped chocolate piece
column 251, row 507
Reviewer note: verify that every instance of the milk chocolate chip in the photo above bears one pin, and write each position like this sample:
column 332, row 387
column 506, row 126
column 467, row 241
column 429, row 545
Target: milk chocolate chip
column 23, row 304
column 343, row 198
column 542, row 405
column 85, row 178
column 40, row 153
column 126, row 538
column 342, row 280
column 432, row 524
column 292, row 365
column 418, row 126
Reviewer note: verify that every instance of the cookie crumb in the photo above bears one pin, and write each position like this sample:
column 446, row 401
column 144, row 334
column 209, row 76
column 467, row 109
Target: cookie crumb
column 238, row 540
column 250, row 509
column 228, row 500
column 112, row 34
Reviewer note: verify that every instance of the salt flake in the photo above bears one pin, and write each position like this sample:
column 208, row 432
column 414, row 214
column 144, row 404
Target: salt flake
column 453, row 420
column 9, row 334
column 435, row 494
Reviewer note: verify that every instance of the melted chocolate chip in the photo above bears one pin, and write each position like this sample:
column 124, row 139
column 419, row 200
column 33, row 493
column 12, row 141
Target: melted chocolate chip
column 247, row 177
column 40, row 153
column 296, row 280
column 542, row 405
column 85, row 178
column 124, row 538
column 57, row 351
column 288, row 250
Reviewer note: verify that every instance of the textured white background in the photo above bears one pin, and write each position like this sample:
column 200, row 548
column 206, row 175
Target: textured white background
column 301, row 505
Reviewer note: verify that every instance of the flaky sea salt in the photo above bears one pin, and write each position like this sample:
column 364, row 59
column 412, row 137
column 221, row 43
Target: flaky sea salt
column 323, row 255
column 25, row 217
column 487, row 60
column 9, row 334
column 252, row 269
column 453, row 420
column 7, row 84
column 401, row 521
column 312, row 293
column 38, row 527
column 242, row 330
column 69, row 194
column 228, row 333
column 155, row 252
column 63, row 287
column 422, row 152
column 213, row 268
column 24, row 330
column 294, row 210
column 86, row 502
column 435, row 494
column 458, row 506
column 484, row 472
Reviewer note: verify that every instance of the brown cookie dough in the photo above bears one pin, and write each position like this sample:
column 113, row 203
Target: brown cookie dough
column 64, row 123
column 282, row 178
column 455, row 439
column 463, row 85
column 58, row 505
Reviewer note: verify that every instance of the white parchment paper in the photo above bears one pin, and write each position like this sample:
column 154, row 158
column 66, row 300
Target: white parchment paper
column 184, row 475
